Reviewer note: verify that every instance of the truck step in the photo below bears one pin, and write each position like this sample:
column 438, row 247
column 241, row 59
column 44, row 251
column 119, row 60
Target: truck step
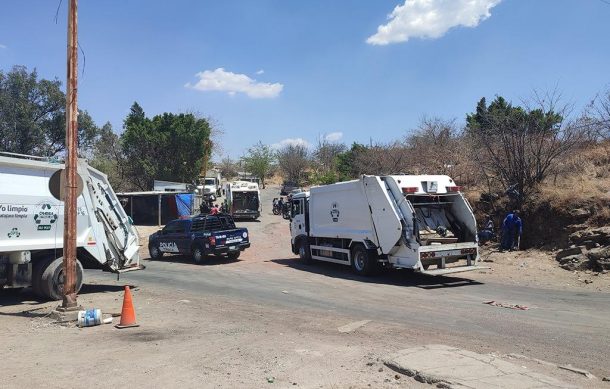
column 450, row 270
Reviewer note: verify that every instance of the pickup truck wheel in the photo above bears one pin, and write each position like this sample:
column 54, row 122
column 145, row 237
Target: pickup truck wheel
column 234, row 255
column 155, row 252
column 304, row 252
column 52, row 279
column 363, row 262
column 198, row 254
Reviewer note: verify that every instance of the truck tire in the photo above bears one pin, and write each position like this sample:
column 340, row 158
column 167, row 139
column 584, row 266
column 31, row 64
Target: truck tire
column 52, row 278
column 37, row 269
column 155, row 252
column 364, row 262
column 198, row 253
column 304, row 252
column 234, row 255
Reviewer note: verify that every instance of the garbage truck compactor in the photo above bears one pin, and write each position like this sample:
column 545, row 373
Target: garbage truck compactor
column 32, row 226
column 402, row 221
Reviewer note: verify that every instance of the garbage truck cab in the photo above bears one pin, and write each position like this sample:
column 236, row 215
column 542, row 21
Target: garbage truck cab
column 400, row 221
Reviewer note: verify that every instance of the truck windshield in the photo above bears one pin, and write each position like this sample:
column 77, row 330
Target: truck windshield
column 210, row 181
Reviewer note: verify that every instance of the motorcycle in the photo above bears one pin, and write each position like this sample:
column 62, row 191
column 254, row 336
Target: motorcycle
column 276, row 208
column 286, row 211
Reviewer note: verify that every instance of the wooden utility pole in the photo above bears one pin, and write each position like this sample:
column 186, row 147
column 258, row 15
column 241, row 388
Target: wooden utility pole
column 69, row 263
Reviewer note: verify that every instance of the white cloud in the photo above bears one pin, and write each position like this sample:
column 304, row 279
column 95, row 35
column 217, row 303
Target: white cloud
column 430, row 19
column 2, row 46
column 232, row 83
column 261, row 71
column 333, row 136
column 291, row 142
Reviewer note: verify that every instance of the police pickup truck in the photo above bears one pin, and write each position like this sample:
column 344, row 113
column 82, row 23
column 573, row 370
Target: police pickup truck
column 199, row 237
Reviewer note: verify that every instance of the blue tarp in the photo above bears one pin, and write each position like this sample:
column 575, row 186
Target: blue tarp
column 183, row 204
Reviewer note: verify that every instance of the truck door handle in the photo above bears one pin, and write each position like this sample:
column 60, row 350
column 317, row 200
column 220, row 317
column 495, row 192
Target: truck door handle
column 299, row 226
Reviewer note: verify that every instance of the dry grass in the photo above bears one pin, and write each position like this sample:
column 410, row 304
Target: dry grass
column 583, row 178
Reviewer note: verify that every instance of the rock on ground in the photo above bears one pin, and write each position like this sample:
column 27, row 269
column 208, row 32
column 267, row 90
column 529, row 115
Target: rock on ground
column 457, row 368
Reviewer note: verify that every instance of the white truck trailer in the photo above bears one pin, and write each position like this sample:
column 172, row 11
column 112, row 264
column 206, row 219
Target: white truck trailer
column 243, row 200
column 31, row 227
column 401, row 221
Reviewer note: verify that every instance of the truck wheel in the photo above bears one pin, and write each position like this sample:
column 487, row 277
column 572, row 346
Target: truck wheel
column 233, row 256
column 198, row 254
column 155, row 252
column 364, row 263
column 37, row 269
column 304, row 252
column 52, row 279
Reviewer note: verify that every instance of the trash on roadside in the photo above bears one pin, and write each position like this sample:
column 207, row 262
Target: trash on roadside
column 90, row 317
column 504, row 305
column 270, row 379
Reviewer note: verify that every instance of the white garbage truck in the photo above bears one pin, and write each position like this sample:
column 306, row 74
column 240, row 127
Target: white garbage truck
column 32, row 226
column 397, row 221
column 243, row 200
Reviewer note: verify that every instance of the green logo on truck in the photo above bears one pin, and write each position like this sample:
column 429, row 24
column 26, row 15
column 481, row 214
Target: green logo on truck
column 45, row 217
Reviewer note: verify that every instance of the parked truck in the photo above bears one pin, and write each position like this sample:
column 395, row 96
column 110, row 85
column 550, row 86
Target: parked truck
column 398, row 221
column 242, row 200
column 199, row 237
column 32, row 226
column 211, row 183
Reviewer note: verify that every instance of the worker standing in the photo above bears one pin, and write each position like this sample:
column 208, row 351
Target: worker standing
column 512, row 227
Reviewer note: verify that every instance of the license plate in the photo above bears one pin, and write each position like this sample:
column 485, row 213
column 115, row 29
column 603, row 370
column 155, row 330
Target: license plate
column 232, row 247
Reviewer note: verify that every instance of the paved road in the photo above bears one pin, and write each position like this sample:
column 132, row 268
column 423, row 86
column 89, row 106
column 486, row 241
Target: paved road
column 561, row 326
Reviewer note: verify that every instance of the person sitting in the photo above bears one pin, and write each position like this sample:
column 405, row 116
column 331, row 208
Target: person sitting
column 214, row 210
column 488, row 232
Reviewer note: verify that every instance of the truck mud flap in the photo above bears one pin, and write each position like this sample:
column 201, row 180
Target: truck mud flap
column 451, row 270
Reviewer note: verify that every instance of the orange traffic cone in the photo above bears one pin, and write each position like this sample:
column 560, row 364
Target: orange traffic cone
column 128, row 314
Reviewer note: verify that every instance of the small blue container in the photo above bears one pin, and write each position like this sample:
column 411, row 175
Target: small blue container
column 90, row 317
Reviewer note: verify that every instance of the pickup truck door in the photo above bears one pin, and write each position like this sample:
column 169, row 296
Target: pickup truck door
column 168, row 241
column 183, row 236
column 175, row 237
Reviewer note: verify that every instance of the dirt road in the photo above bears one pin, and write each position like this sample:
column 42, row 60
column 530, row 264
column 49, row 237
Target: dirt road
column 269, row 320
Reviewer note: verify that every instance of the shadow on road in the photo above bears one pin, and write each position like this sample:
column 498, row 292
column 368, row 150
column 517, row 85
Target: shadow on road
column 211, row 260
column 396, row 277
column 26, row 296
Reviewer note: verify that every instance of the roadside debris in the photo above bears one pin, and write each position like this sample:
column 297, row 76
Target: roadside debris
column 504, row 305
column 577, row 370
column 90, row 317
column 353, row 326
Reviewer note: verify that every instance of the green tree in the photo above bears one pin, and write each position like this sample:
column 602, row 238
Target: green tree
column 519, row 146
column 346, row 162
column 259, row 161
column 167, row 147
column 32, row 115
column 107, row 157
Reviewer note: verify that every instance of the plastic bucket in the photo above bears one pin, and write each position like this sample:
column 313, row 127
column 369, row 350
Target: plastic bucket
column 90, row 317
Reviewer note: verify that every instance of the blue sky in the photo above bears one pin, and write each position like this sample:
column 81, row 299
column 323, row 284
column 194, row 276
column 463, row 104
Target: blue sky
column 277, row 70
